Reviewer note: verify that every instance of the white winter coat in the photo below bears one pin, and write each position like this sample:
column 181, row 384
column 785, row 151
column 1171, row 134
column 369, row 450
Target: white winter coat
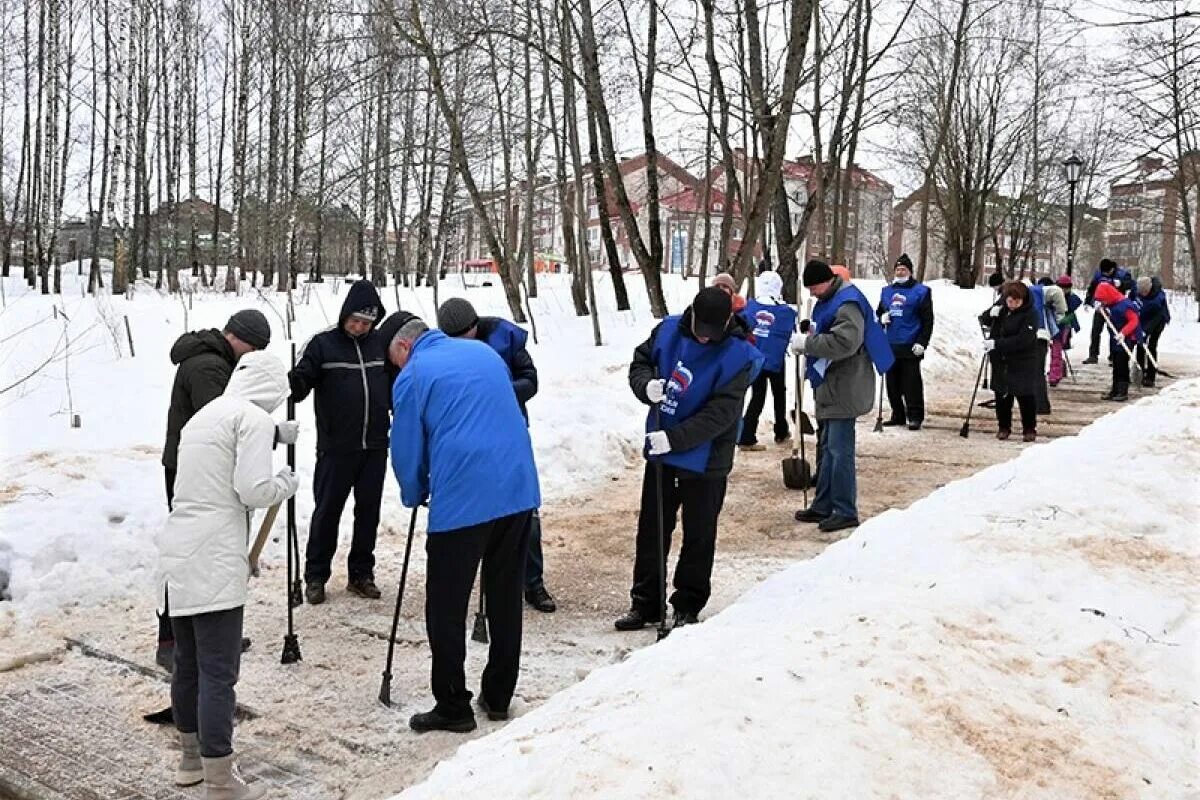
column 225, row 469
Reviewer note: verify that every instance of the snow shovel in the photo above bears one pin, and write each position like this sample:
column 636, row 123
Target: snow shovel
column 479, row 632
column 291, row 644
column 260, row 541
column 1135, row 369
column 965, row 430
column 385, row 687
column 797, row 472
column 662, row 536
column 879, row 417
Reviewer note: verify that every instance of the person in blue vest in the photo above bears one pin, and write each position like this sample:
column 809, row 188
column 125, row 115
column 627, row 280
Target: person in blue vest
column 1123, row 314
column 906, row 312
column 693, row 371
column 771, row 322
column 344, row 368
column 1108, row 272
column 460, row 444
column 457, row 319
column 842, row 344
column 1049, row 306
column 1155, row 315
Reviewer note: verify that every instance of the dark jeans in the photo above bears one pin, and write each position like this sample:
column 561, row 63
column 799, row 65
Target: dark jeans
column 906, row 390
column 1120, row 366
column 166, row 636
column 335, row 476
column 208, row 656
column 837, row 487
column 534, row 561
column 1148, row 370
column 1043, row 387
column 1004, row 407
column 758, row 399
column 701, row 499
column 452, row 558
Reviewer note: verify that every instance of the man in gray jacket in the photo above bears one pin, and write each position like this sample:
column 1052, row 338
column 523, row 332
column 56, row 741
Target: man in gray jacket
column 842, row 344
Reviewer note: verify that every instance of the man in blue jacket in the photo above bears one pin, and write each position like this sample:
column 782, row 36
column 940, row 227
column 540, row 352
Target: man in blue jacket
column 459, row 442
column 1155, row 316
column 906, row 312
column 696, row 368
column 344, row 367
column 1108, row 272
column 457, row 319
column 771, row 322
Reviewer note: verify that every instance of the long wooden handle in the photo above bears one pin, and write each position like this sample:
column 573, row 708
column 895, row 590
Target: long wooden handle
column 260, row 541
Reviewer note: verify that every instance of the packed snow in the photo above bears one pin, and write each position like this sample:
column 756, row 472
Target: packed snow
column 1028, row 631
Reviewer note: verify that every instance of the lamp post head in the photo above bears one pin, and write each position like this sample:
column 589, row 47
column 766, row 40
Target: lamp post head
column 1074, row 168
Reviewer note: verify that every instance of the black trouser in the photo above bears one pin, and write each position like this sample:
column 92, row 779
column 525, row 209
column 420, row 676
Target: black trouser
column 1043, row 386
column 335, row 475
column 165, row 634
column 1148, row 369
column 906, row 390
column 758, row 399
column 208, row 656
column 1120, row 366
column 1004, row 407
column 452, row 558
column 534, row 560
column 1098, row 327
column 701, row 499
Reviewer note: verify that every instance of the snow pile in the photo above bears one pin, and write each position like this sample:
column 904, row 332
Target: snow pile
column 1028, row 631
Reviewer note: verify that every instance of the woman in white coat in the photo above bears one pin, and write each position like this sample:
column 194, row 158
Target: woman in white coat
column 225, row 469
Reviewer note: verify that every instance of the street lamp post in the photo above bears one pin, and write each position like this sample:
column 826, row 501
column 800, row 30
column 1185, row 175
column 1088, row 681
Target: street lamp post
column 1074, row 168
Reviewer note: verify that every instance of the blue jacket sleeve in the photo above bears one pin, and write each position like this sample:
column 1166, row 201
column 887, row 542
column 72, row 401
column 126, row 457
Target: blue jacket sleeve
column 410, row 461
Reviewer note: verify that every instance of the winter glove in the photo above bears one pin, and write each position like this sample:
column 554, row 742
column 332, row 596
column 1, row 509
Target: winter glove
column 989, row 345
column 995, row 311
column 1043, row 334
column 656, row 390
column 918, row 349
column 290, row 482
column 287, row 432
column 886, row 319
column 805, row 325
column 799, row 342
column 658, row 442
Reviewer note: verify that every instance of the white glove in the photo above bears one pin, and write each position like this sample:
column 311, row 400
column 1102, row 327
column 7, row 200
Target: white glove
column 659, row 443
column 656, row 390
column 918, row 350
column 1043, row 334
column 885, row 320
column 290, row 482
column 799, row 342
column 995, row 311
column 989, row 345
column 287, row 432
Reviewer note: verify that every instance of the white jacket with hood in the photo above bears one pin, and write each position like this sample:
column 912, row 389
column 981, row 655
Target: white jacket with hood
column 225, row 469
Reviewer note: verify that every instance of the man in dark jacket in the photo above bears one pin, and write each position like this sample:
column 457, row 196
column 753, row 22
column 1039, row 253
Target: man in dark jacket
column 844, row 348
column 906, row 311
column 1108, row 272
column 205, row 360
column 460, row 444
column 344, row 367
column 1155, row 316
column 457, row 319
column 694, row 371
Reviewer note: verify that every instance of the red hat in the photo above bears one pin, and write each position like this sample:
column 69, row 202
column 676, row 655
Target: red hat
column 1065, row 280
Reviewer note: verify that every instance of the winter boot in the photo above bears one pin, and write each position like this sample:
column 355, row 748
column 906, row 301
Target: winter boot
column 915, row 425
column 436, row 721
column 1119, row 394
column 540, row 599
column 1029, row 435
column 837, row 523
column 1147, row 382
column 190, row 771
column 222, row 781
column 810, row 515
column 894, row 422
column 1003, row 434
column 492, row 714
column 364, row 587
column 635, row 620
column 1092, row 360
column 314, row 593
column 683, row 618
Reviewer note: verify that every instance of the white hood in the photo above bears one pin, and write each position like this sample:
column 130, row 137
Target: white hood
column 770, row 286
column 260, row 378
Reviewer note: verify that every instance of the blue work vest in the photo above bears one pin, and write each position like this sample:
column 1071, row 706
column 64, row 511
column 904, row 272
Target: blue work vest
column 874, row 339
column 772, row 326
column 693, row 371
column 901, row 306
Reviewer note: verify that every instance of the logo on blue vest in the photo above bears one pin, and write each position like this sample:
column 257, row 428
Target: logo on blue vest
column 897, row 307
column 763, row 322
column 677, row 386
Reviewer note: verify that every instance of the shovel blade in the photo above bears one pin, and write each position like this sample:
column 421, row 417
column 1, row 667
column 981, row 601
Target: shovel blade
column 797, row 473
column 965, row 430
column 479, row 633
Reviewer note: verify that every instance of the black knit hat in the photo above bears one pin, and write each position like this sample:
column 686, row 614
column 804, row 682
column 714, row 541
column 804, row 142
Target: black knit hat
column 711, row 311
column 904, row 261
column 1107, row 265
column 456, row 316
column 392, row 325
column 995, row 279
column 251, row 327
column 817, row 271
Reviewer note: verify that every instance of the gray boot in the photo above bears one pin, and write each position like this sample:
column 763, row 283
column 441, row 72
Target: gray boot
column 189, row 772
column 222, row 781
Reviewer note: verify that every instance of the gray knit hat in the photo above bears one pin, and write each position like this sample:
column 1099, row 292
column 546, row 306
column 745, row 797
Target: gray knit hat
column 251, row 327
column 1145, row 284
column 456, row 316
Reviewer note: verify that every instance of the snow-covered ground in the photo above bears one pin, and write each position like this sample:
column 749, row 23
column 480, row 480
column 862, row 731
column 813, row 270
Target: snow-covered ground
column 1030, row 631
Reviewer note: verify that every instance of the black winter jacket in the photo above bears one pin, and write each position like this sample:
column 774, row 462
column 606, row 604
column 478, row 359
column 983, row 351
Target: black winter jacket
column 205, row 362
column 353, row 396
column 1016, row 359
column 718, row 420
